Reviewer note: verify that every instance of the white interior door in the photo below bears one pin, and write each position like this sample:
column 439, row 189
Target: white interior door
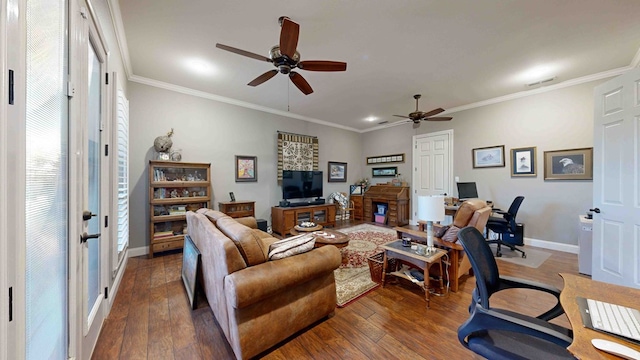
column 433, row 166
column 616, row 182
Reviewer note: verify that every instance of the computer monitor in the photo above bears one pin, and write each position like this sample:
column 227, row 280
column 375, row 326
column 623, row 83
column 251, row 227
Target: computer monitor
column 467, row 190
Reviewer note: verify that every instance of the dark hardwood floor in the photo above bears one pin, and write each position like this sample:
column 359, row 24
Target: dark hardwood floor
column 151, row 318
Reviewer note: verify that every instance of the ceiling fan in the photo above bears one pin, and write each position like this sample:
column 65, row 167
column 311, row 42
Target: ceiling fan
column 286, row 58
column 418, row 115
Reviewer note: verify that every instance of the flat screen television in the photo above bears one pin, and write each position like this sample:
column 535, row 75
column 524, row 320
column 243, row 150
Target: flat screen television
column 298, row 184
column 467, row 190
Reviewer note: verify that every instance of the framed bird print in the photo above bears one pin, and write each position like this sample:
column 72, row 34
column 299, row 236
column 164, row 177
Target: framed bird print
column 571, row 164
column 523, row 161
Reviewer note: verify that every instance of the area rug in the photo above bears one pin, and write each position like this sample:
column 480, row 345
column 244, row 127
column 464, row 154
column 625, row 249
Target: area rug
column 534, row 258
column 353, row 279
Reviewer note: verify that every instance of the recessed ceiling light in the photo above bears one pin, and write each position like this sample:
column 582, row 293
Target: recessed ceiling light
column 371, row 118
column 200, row 66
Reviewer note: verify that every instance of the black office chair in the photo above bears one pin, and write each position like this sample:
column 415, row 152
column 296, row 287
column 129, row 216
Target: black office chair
column 499, row 333
column 506, row 225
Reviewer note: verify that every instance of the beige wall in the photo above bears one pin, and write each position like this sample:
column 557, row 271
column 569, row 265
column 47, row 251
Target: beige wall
column 211, row 131
column 554, row 120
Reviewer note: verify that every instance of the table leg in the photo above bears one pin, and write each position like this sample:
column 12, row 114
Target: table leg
column 441, row 276
column 384, row 267
column 425, row 285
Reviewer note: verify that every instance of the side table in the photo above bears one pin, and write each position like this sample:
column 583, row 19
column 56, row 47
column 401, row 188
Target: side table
column 424, row 261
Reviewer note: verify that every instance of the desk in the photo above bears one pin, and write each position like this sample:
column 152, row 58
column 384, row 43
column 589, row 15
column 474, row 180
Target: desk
column 575, row 285
column 451, row 209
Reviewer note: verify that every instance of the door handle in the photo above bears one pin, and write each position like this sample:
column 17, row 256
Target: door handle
column 87, row 215
column 84, row 237
column 595, row 210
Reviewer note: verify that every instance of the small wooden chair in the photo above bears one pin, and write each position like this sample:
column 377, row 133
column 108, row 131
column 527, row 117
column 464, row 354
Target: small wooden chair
column 347, row 210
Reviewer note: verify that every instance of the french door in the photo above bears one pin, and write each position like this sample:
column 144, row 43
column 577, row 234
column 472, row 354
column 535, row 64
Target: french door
column 89, row 122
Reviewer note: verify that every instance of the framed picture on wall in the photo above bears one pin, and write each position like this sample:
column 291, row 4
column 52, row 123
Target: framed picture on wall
column 246, row 168
column 492, row 156
column 572, row 164
column 523, row 161
column 384, row 171
column 337, row 171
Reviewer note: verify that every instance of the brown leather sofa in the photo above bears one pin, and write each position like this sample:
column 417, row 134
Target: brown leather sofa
column 258, row 302
column 474, row 212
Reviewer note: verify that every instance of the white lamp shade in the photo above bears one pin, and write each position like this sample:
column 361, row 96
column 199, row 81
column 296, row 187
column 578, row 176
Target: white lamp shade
column 431, row 208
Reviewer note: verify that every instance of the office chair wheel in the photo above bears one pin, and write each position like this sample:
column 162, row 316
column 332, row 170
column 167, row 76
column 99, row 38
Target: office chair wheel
column 498, row 254
column 524, row 256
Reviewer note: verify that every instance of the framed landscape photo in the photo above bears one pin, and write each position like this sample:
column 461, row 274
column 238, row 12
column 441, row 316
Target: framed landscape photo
column 384, row 171
column 492, row 156
column 523, row 161
column 571, row 164
column 246, row 168
column 337, row 171
column 190, row 269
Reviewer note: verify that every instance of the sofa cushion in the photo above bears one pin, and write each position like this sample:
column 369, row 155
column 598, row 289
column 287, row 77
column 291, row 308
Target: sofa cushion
column 250, row 245
column 291, row 246
column 212, row 215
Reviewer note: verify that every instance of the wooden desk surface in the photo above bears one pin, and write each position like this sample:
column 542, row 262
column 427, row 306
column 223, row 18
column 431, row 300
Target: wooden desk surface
column 574, row 286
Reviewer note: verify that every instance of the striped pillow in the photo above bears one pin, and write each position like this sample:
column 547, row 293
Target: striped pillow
column 291, row 246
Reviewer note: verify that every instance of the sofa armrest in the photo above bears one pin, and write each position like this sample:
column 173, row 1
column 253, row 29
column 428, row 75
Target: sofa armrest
column 248, row 221
column 258, row 282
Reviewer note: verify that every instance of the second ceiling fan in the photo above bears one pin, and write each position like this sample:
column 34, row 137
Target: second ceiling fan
column 418, row 115
column 286, row 58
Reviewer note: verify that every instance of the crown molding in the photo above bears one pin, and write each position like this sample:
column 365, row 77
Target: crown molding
column 209, row 96
column 121, row 38
column 521, row 94
column 636, row 60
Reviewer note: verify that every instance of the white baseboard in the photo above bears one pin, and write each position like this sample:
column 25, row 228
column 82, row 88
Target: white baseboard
column 138, row 251
column 116, row 282
column 544, row 244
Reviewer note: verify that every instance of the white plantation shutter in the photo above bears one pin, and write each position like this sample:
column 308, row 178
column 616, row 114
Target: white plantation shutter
column 123, row 171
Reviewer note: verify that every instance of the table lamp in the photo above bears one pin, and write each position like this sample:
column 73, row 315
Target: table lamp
column 430, row 209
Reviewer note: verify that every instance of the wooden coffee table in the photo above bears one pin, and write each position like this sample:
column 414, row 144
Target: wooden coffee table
column 297, row 230
column 332, row 237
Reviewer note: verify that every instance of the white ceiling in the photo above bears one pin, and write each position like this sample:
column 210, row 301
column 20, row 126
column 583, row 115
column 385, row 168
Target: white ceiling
column 453, row 52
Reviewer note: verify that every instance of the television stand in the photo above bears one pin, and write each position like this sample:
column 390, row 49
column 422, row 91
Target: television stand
column 283, row 219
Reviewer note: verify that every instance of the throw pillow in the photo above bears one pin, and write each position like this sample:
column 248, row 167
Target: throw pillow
column 451, row 235
column 439, row 233
column 291, row 246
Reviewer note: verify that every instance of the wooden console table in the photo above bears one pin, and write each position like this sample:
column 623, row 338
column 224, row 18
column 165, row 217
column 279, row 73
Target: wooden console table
column 283, row 219
column 395, row 197
column 238, row 209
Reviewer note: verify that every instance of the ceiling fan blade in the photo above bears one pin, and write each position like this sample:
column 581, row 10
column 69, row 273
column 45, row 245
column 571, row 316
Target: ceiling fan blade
column 322, row 65
column 289, row 37
column 243, row 52
column 402, row 116
column 433, row 112
column 300, row 83
column 262, row 78
column 441, row 118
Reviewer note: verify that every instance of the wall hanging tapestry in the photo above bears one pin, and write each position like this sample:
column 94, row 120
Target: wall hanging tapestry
column 296, row 152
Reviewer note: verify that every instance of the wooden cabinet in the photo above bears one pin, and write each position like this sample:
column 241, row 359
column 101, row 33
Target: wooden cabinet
column 238, row 209
column 174, row 188
column 396, row 199
column 358, row 206
column 283, row 219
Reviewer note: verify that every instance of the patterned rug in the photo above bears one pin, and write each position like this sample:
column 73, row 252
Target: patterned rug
column 353, row 279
